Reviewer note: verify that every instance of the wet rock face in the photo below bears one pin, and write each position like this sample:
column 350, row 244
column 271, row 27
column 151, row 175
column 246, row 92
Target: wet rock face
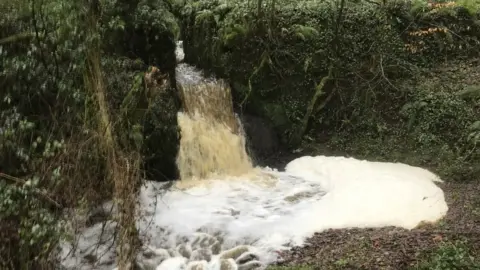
column 262, row 140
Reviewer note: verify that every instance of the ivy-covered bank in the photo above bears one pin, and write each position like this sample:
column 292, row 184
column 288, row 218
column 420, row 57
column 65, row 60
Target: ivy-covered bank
column 357, row 75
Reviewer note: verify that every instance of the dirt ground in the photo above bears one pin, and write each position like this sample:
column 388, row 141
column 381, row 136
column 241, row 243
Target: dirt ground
column 394, row 248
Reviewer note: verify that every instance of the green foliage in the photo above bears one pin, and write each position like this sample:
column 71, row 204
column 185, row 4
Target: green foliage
column 438, row 31
column 281, row 57
column 38, row 229
column 41, row 93
column 438, row 118
column 156, row 115
column 473, row 6
column 448, row 256
column 304, row 32
column 49, row 150
column 442, row 112
column 275, row 62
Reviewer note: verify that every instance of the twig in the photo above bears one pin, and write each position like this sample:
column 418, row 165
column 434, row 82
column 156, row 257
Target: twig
column 16, row 37
column 383, row 74
column 325, row 102
column 37, row 38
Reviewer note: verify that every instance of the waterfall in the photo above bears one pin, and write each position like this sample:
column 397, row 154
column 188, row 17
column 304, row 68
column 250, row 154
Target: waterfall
column 212, row 141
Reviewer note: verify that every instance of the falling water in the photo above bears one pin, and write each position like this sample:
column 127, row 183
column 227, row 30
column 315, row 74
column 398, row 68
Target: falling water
column 212, row 140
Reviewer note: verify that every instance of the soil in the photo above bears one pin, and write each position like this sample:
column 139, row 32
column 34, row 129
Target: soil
column 394, row 248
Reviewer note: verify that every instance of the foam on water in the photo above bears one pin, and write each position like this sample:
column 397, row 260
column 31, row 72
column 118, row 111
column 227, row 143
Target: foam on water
column 314, row 194
column 270, row 210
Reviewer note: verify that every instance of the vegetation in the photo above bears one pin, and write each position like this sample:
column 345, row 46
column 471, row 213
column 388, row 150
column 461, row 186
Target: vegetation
column 351, row 74
column 75, row 108
column 450, row 255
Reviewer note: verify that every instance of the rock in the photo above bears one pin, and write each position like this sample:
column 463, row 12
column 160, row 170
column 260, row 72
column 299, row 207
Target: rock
column 151, row 264
column 161, row 252
column 228, row 264
column 97, row 215
column 109, row 260
column 174, row 253
column 234, row 253
column 250, row 265
column 203, row 240
column 216, row 247
column 181, row 240
column 197, row 265
column 150, row 252
column 151, row 258
column 223, row 264
column 262, row 139
column 201, row 254
column 90, row 258
column 185, row 250
column 246, row 257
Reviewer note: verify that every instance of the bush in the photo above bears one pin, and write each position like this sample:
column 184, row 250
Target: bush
column 440, row 118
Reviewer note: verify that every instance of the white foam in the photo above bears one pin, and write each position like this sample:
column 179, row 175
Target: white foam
column 358, row 194
column 173, row 263
column 272, row 210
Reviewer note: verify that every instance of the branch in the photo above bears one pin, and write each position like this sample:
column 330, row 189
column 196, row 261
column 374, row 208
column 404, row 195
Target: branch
column 37, row 38
column 325, row 102
column 318, row 92
column 16, row 37
column 383, row 74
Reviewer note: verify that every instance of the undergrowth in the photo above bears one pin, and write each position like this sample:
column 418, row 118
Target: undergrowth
column 449, row 255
